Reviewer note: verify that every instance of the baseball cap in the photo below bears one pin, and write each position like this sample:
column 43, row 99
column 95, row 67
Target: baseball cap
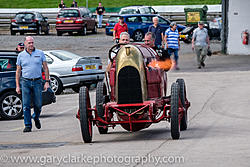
column 172, row 24
column 201, row 22
column 21, row 44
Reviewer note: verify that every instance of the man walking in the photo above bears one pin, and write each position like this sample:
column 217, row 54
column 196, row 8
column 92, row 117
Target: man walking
column 29, row 67
column 158, row 31
column 172, row 42
column 120, row 27
column 200, row 43
column 100, row 11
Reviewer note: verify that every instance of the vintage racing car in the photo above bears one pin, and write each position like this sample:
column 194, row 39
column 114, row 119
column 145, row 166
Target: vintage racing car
column 133, row 94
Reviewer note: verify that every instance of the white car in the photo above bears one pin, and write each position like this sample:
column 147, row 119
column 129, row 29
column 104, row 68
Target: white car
column 70, row 70
column 137, row 10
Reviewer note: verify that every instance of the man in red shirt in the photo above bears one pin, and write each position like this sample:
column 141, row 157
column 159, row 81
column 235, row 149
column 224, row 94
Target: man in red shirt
column 119, row 28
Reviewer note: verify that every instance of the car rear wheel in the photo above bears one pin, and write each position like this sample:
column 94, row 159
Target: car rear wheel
column 59, row 33
column 39, row 30
column 94, row 31
column 56, row 85
column 12, row 32
column 84, row 31
column 47, row 31
column 11, row 106
column 138, row 35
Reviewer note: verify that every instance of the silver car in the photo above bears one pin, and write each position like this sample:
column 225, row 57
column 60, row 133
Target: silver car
column 70, row 70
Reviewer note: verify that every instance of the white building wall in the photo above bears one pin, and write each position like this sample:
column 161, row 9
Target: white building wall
column 238, row 21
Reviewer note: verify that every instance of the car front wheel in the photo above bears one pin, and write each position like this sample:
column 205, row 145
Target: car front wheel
column 138, row 35
column 11, row 106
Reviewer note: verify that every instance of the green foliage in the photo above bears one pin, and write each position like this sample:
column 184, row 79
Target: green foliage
column 94, row 3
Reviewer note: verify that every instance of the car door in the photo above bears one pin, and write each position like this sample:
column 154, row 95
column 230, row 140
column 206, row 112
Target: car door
column 134, row 24
column 91, row 19
column 146, row 22
column 7, row 72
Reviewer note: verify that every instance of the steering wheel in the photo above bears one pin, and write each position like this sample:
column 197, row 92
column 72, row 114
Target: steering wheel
column 114, row 50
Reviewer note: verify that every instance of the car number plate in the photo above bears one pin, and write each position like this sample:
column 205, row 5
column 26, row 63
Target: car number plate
column 111, row 30
column 68, row 21
column 90, row 67
column 24, row 27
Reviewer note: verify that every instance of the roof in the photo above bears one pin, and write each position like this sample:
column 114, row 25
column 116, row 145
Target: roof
column 128, row 15
column 8, row 53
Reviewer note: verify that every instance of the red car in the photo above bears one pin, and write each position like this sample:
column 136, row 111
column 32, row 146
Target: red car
column 78, row 20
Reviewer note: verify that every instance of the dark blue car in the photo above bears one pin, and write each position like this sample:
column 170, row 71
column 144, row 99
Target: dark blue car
column 138, row 24
column 10, row 101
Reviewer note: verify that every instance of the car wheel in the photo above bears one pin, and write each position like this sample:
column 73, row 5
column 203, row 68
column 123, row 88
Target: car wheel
column 59, row 33
column 94, row 31
column 47, row 31
column 84, row 31
column 56, row 85
column 174, row 105
column 11, row 106
column 39, row 30
column 12, row 32
column 138, row 35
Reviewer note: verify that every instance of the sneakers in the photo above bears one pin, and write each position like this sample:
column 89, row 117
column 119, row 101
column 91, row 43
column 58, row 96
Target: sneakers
column 37, row 124
column 27, row 129
column 202, row 64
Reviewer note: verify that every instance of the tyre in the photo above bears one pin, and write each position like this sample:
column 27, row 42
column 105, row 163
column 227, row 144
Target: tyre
column 56, row 85
column 39, row 30
column 11, row 105
column 174, row 119
column 94, row 31
column 59, row 33
column 181, row 83
column 138, row 35
column 85, row 117
column 47, row 31
column 12, row 32
column 101, row 92
column 84, row 31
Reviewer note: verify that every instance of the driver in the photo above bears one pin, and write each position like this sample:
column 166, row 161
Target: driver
column 124, row 39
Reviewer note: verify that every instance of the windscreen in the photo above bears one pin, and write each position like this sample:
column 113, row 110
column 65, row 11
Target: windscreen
column 113, row 19
column 25, row 16
column 68, row 13
column 128, row 11
column 64, row 55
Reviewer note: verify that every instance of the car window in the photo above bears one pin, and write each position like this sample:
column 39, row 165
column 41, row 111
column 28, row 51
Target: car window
column 26, row 16
column 7, row 64
column 144, row 10
column 128, row 11
column 133, row 19
column 152, row 10
column 64, row 55
column 113, row 19
column 49, row 59
column 162, row 21
column 68, row 13
column 146, row 19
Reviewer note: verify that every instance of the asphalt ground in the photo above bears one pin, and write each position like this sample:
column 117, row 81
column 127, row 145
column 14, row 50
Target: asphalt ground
column 217, row 135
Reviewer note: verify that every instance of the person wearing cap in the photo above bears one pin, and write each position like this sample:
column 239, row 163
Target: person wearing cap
column 158, row 31
column 172, row 43
column 30, row 63
column 20, row 47
column 120, row 27
column 200, row 43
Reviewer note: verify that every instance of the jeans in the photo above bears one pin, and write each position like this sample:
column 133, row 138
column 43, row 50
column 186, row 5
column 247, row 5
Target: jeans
column 176, row 56
column 99, row 18
column 31, row 91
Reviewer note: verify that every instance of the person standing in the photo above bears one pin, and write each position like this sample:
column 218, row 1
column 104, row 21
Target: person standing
column 29, row 68
column 120, row 27
column 200, row 43
column 158, row 31
column 172, row 42
column 74, row 4
column 100, row 11
column 61, row 5
column 20, row 47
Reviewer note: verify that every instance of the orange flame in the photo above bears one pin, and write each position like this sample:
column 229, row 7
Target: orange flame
column 162, row 64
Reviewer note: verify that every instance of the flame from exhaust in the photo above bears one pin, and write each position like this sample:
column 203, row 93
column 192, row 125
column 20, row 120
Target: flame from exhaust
column 162, row 64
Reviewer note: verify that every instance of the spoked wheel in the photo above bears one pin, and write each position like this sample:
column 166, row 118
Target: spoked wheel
column 85, row 115
column 101, row 93
column 174, row 120
column 56, row 85
column 182, row 86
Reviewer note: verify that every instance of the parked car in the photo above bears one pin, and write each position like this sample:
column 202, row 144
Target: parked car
column 33, row 22
column 79, row 20
column 137, row 10
column 70, row 70
column 138, row 24
column 10, row 101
